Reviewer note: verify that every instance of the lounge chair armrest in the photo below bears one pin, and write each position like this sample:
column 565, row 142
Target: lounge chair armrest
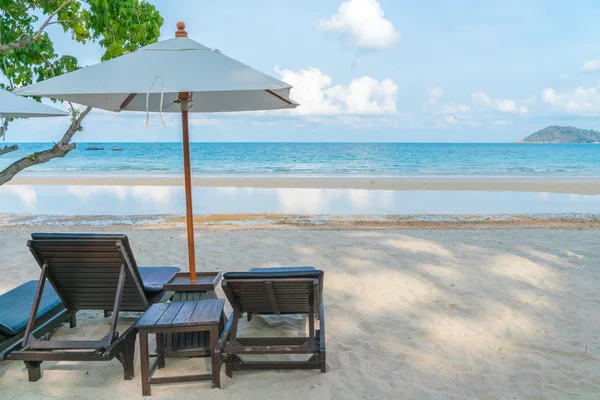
column 225, row 335
column 166, row 296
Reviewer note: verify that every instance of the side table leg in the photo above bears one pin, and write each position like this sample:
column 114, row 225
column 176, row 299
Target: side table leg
column 216, row 370
column 160, row 349
column 145, row 363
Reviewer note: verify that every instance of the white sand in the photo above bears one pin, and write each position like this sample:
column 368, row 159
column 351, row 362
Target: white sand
column 497, row 314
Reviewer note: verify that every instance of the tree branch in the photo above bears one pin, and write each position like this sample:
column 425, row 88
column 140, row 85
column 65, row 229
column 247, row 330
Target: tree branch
column 60, row 149
column 3, row 128
column 48, row 64
column 61, row 21
column 8, row 149
column 24, row 41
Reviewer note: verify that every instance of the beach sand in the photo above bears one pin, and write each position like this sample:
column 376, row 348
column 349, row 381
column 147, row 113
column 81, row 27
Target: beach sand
column 573, row 185
column 411, row 314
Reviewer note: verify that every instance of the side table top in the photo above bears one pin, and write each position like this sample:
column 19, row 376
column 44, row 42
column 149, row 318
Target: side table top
column 204, row 281
column 188, row 313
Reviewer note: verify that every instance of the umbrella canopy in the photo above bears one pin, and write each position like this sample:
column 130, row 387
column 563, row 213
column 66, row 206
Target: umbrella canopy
column 156, row 77
column 13, row 106
column 136, row 82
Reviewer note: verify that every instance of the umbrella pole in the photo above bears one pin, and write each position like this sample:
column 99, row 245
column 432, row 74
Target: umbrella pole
column 184, row 98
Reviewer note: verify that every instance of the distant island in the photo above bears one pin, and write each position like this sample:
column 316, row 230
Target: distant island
column 563, row 134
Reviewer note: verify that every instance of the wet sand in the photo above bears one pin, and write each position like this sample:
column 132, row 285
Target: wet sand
column 550, row 185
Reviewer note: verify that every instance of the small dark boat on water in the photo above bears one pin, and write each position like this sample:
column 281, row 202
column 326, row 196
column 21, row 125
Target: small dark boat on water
column 117, row 149
column 95, row 147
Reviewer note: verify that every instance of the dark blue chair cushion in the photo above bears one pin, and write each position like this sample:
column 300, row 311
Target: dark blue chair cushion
column 153, row 278
column 15, row 306
column 276, row 272
column 283, row 269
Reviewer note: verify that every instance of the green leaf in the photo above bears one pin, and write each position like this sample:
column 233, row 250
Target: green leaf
column 118, row 26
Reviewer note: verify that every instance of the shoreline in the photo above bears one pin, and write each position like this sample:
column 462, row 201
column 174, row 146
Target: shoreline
column 575, row 185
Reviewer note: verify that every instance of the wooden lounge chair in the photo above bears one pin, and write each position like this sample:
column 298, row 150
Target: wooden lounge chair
column 89, row 272
column 274, row 291
column 15, row 308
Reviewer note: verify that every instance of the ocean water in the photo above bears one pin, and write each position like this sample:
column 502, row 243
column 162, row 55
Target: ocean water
column 309, row 159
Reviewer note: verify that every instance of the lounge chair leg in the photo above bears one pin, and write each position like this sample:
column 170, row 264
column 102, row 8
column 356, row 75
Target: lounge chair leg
column 126, row 358
column 73, row 320
column 228, row 370
column 106, row 313
column 249, row 316
column 129, row 357
column 33, row 370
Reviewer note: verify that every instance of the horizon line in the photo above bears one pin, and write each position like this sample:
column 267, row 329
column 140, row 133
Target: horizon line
column 284, row 142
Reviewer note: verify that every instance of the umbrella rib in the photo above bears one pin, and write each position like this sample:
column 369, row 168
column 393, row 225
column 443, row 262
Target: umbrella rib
column 128, row 100
column 278, row 96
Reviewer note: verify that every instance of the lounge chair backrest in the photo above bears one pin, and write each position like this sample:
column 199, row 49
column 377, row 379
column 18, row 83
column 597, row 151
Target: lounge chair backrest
column 274, row 293
column 84, row 270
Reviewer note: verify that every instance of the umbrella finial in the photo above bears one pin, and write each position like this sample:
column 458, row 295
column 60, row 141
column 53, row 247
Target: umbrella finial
column 181, row 30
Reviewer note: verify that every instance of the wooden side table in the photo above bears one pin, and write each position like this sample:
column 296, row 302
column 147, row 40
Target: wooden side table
column 179, row 289
column 167, row 318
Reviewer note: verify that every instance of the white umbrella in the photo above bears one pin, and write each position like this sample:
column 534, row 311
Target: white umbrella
column 13, row 106
column 156, row 77
column 136, row 81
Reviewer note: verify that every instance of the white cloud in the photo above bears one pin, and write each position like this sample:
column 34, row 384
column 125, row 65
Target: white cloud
column 434, row 95
column 451, row 119
column 506, row 105
column 549, row 96
column 453, row 113
column 481, row 113
column 580, row 101
column 455, row 109
column 363, row 23
column 462, row 119
column 481, row 99
column 591, row 66
column 309, row 90
column 364, row 95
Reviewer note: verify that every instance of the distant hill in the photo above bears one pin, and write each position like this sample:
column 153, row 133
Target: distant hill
column 563, row 134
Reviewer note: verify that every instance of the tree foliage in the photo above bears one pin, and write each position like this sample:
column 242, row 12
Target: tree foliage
column 563, row 134
column 27, row 53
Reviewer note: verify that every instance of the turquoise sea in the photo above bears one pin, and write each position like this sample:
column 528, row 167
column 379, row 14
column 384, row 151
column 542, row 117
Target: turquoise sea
column 301, row 159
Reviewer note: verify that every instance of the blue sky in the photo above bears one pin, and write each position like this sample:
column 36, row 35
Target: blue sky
column 387, row 70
